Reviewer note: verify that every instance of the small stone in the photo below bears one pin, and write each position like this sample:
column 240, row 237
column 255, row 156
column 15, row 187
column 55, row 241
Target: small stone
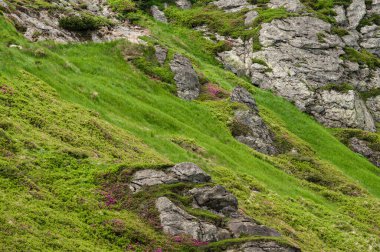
column 289, row 5
column 340, row 17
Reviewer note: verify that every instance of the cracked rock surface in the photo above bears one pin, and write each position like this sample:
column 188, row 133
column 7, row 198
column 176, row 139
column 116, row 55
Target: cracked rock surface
column 177, row 221
column 188, row 86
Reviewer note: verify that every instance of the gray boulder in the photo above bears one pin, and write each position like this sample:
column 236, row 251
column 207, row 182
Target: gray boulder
column 335, row 109
column 262, row 246
column 373, row 105
column 250, row 16
column 175, row 221
column 188, row 86
column 215, row 198
column 232, row 5
column 355, row 13
column 243, row 226
column 150, row 178
column 289, row 5
column 158, row 14
column 183, row 4
column 189, row 172
column 161, row 54
column 249, row 129
column 340, row 15
column 182, row 172
column 241, row 95
column 362, row 147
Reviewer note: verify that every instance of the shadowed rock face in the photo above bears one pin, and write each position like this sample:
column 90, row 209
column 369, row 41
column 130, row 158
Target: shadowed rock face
column 188, row 86
column 248, row 127
column 362, row 147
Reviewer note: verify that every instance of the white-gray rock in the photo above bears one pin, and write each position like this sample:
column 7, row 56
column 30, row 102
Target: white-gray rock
column 373, row 105
column 158, row 14
column 342, row 110
column 188, row 86
column 250, row 16
column 289, row 5
column 150, row 177
column 355, row 12
column 340, row 17
column 232, row 5
column 183, row 4
column 245, row 226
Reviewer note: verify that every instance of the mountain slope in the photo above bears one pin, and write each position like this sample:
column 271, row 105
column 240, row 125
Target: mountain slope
column 329, row 213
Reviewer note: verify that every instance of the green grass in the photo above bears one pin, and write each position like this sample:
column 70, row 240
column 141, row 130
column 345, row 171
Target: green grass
column 313, row 216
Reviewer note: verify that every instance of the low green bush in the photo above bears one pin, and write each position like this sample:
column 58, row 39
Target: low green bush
column 83, row 22
column 122, row 5
column 363, row 57
column 341, row 87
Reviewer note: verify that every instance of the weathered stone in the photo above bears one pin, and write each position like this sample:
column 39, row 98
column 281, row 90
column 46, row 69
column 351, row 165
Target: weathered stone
column 373, row 104
column 175, row 221
column 241, row 95
column 215, row 198
column 188, row 86
column 158, row 14
column 362, row 147
column 371, row 38
column 161, row 54
column 189, row 172
column 340, row 15
column 355, row 12
column 342, row 110
column 149, row 178
column 232, row 5
column 375, row 7
column 3, row 4
column 301, row 56
column 249, row 129
column 262, row 246
column 250, row 16
column 183, row 4
column 289, row 5
column 244, row 226
column 44, row 25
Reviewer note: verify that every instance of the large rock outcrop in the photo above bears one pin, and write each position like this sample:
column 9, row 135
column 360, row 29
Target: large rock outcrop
column 188, row 86
column 299, row 58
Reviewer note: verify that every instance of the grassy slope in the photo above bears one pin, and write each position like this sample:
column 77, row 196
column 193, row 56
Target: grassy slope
column 147, row 109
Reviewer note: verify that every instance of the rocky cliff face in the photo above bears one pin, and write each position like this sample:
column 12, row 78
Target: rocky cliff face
column 303, row 60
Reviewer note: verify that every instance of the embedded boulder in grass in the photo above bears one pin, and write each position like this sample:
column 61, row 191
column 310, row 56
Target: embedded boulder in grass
column 289, row 5
column 150, row 177
column 175, row 221
column 363, row 147
column 161, row 54
column 215, row 198
column 233, row 5
column 262, row 246
column 243, row 226
column 189, row 172
column 183, row 4
column 188, row 86
column 241, row 95
column 183, row 172
column 158, row 14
